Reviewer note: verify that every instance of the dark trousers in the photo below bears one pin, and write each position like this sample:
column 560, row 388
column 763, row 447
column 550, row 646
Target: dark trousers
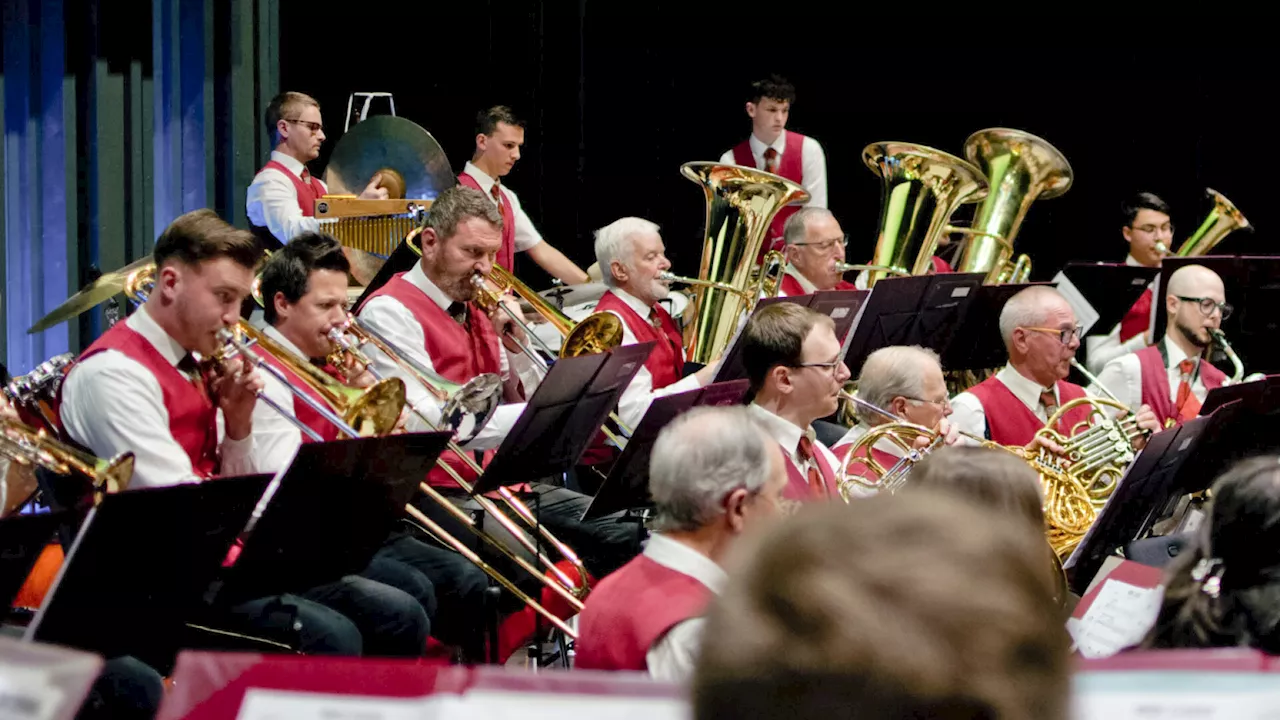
column 127, row 688
column 392, row 622
column 458, row 613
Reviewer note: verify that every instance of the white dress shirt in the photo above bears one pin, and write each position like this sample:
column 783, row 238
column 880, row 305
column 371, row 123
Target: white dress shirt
column 111, row 403
column 1123, row 376
column 526, row 234
column 788, row 435
column 272, row 201
column 639, row 394
column 813, row 164
column 275, row 438
column 969, row 415
column 672, row 656
column 398, row 324
column 1102, row 349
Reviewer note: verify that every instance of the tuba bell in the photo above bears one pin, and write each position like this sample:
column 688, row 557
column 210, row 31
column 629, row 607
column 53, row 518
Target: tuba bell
column 1221, row 221
column 1020, row 168
column 741, row 202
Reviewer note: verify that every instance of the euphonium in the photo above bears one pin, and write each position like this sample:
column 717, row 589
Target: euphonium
column 1221, row 221
column 741, row 203
column 1020, row 168
column 921, row 188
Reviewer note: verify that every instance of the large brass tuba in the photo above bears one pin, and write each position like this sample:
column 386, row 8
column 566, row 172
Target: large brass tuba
column 741, row 202
column 1222, row 220
column 1020, row 168
column 921, row 188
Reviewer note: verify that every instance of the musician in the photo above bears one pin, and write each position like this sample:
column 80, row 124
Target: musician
column 894, row 607
column 1146, row 224
column 430, row 314
column 773, row 149
column 793, row 362
column 138, row 388
column 499, row 136
column 304, row 289
column 1172, row 377
column 1041, row 335
column 715, row 474
column 906, row 381
column 281, row 200
column 814, row 244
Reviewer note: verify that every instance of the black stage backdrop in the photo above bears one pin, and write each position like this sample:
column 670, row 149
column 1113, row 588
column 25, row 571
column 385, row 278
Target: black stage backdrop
column 617, row 99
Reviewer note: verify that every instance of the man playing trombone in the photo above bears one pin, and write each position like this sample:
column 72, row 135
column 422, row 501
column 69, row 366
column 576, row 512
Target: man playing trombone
column 1172, row 377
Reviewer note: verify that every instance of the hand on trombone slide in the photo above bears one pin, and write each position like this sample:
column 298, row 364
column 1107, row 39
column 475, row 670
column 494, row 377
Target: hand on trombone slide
column 510, row 331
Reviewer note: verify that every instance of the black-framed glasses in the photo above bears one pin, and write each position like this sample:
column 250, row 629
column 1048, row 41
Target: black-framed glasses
column 825, row 245
column 1066, row 336
column 314, row 127
column 1166, row 228
column 1207, row 305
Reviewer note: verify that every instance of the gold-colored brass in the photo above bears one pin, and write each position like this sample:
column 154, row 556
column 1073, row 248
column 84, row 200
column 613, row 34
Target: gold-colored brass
column 370, row 226
column 23, row 444
column 1221, row 221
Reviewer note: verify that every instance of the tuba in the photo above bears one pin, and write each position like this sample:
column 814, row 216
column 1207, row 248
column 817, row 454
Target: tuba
column 921, row 189
column 1020, row 168
column 741, row 202
column 1222, row 220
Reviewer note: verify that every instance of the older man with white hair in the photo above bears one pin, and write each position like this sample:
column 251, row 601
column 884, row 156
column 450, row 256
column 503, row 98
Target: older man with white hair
column 714, row 475
column 814, row 244
column 1041, row 335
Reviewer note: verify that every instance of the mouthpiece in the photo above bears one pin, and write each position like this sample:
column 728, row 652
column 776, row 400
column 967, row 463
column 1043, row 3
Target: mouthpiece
column 1162, row 248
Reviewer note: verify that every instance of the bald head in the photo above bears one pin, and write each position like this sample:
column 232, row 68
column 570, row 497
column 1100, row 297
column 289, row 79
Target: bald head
column 1188, row 325
column 1196, row 281
column 1031, row 307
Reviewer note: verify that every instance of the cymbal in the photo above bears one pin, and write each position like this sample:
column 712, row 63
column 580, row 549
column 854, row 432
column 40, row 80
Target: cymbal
column 388, row 141
column 96, row 293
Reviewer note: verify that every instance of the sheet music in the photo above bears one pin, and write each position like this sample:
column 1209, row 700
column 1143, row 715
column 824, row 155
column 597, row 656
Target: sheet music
column 30, row 694
column 1085, row 314
column 260, row 704
column 1119, row 617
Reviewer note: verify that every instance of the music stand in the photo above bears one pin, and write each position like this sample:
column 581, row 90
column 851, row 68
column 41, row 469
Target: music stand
column 919, row 310
column 1260, row 396
column 627, row 486
column 1107, row 290
column 22, row 539
column 326, row 514
column 141, row 564
column 975, row 343
column 563, row 416
column 844, row 307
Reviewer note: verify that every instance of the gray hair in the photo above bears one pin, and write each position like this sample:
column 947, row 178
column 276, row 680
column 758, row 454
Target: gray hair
column 614, row 242
column 702, row 456
column 1025, row 309
column 894, row 371
column 457, row 204
column 793, row 231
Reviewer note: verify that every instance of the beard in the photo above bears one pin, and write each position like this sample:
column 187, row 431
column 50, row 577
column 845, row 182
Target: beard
column 1193, row 334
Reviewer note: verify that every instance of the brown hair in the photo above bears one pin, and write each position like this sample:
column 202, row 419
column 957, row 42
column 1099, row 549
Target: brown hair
column 285, row 106
column 774, row 336
column 201, row 235
column 487, row 120
column 994, row 478
column 458, row 203
column 886, row 608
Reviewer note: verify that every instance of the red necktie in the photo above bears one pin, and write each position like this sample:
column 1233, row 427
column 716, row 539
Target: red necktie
column 770, row 160
column 1049, row 401
column 306, row 175
column 189, row 365
column 816, row 484
column 1188, row 404
column 497, row 197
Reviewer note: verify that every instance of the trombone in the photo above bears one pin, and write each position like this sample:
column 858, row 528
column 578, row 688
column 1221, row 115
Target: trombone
column 28, row 446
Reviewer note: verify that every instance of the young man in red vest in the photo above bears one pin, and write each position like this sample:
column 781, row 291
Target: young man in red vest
column 304, row 288
column 795, row 366
column 906, row 381
column 499, row 136
column 1172, row 377
column 1041, row 335
column 715, row 475
column 772, row 148
column 1146, row 225
column 281, row 200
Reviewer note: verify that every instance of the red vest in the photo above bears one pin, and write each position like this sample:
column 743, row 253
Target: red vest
column 457, row 353
column 1138, row 318
column 193, row 418
column 791, row 167
column 308, row 193
column 1009, row 422
column 797, row 487
column 940, row 265
column 506, row 256
column 630, row 610
column 304, row 412
column 1155, row 383
column 885, row 459
column 791, row 286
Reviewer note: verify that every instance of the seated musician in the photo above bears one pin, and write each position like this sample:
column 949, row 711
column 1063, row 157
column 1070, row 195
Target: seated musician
column 906, row 381
column 714, row 475
column 1146, row 223
column 429, row 313
column 814, row 244
column 304, row 289
column 1041, row 336
column 499, row 136
column 793, row 362
column 139, row 388
column 1172, row 376
column 281, row 200
column 927, row 606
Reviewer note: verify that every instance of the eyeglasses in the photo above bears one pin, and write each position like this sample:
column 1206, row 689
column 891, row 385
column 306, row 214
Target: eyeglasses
column 1166, row 228
column 314, row 127
column 1065, row 336
column 1207, row 305
column 825, row 245
column 830, row 367
column 942, row 404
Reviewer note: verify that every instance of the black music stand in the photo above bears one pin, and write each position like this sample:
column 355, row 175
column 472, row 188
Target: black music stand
column 563, row 416
column 1253, row 288
column 141, row 564
column 975, row 343
column 1259, row 396
column 919, row 310
column 844, row 307
column 328, row 512
column 627, row 486
column 1110, row 289
column 22, row 539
